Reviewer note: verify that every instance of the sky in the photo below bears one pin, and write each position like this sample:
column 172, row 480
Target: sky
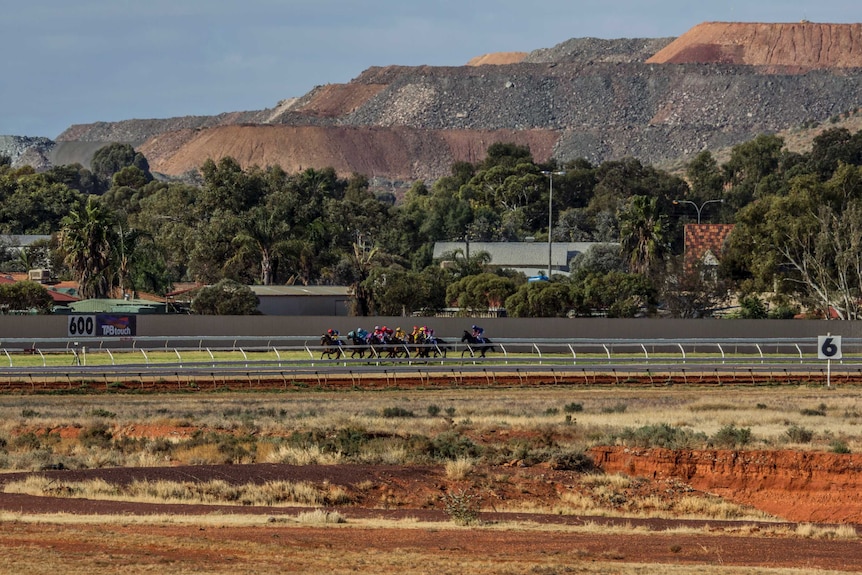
column 75, row 62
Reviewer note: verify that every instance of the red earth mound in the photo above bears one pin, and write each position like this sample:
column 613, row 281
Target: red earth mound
column 396, row 152
column 798, row 486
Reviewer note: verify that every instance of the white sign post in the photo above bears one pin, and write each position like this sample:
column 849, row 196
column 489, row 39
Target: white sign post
column 829, row 348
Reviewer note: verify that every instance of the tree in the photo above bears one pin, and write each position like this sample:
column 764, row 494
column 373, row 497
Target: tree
column 25, row 296
column 110, row 159
column 480, row 292
column 643, row 234
column 264, row 234
column 227, row 297
column 692, row 292
column 615, row 294
column 86, row 240
column 540, row 299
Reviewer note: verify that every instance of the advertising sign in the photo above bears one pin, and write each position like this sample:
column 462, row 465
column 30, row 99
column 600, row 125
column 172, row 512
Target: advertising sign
column 102, row 325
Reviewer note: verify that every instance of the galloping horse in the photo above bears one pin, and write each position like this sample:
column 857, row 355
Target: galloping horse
column 359, row 346
column 331, row 347
column 474, row 345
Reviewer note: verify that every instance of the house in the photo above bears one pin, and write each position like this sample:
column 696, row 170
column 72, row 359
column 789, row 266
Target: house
column 530, row 258
column 704, row 243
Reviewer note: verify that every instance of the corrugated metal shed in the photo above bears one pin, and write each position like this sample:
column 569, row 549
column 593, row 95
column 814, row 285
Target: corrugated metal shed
column 528, row 257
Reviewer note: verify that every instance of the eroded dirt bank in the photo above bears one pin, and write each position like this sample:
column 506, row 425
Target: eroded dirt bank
column 798, row 486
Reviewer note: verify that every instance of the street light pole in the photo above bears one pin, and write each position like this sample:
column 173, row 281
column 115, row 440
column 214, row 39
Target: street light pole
column 551, row 175
column 699, row 208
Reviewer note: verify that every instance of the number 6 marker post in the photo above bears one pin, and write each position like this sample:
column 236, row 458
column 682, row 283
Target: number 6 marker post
column 829, row 348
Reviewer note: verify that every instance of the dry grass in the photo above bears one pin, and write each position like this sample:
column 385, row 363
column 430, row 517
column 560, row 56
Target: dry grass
column 458, row 469
column 271, row 493
column 259, row 424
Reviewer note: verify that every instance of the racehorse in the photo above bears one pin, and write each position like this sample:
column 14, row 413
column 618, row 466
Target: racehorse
column 474, row 345
column 429, row 346
column 359, row 346
column 331, row 347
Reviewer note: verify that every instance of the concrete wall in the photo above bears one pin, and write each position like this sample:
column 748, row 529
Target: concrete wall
column 598, row 328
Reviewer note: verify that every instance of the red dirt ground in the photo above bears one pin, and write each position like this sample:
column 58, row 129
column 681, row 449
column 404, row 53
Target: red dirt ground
column 395, row 492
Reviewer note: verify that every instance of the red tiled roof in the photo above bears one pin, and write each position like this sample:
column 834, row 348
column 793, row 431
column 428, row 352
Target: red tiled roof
column 703, row 238
column 60, row 297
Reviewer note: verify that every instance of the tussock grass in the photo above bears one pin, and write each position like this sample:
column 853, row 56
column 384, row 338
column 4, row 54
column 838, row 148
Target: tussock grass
column 460, row 468
column 320, row 516
column 271, row 493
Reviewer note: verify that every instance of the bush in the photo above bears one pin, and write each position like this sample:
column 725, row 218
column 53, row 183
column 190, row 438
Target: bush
column 397, row 412
column 731, row 437
column 662, row 435
column 452, row 445
column 433, row 410
column 577, row 461
column 462, row 507
column 27, row 442
column 573, row 408
column 820, row 411
column 798, row 434
column 838, row 446
column 616, row 408
column 97, row 435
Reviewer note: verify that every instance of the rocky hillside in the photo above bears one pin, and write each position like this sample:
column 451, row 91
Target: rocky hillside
column 656, row 99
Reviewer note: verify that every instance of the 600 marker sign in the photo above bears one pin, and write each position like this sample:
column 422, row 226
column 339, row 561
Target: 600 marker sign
column 101, row 325
column 81, row 326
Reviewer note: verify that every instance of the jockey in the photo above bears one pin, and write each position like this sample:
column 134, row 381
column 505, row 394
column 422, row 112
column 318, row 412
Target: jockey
column 416, row 335
column 399, row 334
column 479, row 334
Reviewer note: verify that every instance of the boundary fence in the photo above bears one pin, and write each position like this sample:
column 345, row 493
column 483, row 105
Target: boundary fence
column 294, row 358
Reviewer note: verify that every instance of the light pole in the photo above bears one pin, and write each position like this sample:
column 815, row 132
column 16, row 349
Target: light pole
column 551, row 175
column 696, row 207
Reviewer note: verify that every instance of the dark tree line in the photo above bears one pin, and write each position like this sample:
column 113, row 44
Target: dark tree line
column 798, row 219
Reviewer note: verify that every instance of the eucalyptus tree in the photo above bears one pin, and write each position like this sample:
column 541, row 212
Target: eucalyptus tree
column 112, row 158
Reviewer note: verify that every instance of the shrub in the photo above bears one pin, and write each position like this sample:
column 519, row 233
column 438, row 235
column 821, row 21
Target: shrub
column 99, row 412
column 397, row 412
column 452, row 445
column 462, row 507
column 731, row 437
column 820, row 410
column 616, row 408
column 97, row 435
column 799, row 434
column 572, row 461
column 573, row 407
column 661, row 435
column 433, row 410
column 838, row 446
column 450, row 411
column 27, row 442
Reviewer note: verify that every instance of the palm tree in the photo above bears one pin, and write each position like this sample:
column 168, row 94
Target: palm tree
column 643, row 234
column 86, row 241
column 266, row 235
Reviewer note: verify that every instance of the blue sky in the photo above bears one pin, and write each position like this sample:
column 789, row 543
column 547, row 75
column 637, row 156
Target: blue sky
column 106, row 60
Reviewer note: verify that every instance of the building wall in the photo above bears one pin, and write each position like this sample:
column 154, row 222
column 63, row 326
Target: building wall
column 305, row 306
